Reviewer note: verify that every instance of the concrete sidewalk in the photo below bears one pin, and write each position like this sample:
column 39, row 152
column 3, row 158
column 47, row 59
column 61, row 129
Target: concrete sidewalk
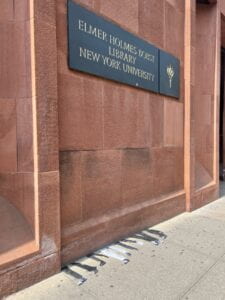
column 189, row 264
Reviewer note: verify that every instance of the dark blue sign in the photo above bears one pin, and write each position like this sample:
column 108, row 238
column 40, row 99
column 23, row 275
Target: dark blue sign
column 102, row 48
column 169, row 69
column 99, row 47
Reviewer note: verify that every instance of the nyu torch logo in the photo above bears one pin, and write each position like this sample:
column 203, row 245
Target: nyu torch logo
column 170, row 73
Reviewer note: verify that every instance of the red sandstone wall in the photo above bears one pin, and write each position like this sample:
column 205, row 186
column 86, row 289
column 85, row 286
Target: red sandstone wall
column 202, row 106
column 24, row 35
column 222, row 6
column 121, row 148
column 203, row 100
column 16, row 142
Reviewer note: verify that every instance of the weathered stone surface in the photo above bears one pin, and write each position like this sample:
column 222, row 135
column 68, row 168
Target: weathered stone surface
column 173, row 124
column 38, row 269
column 6, row 12
column 18, row 189
column 156, row 119
column 126, row 117
column 151, row 26
column 125, row 13
column 44, row 10
column 168, row 170
column 71, row 189
column 137, row 180
column 49, row 212
column 21, row 10
column 101, row 182
column 174, row 31
column 48, row 146
column 8, row 143
column 24, row 120
column 14, row 73
column 46, row 59
column 80, row 106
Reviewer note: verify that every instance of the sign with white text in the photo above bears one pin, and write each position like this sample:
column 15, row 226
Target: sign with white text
column 102, row 48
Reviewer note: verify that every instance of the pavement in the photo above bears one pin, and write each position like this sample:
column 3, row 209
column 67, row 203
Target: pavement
column 188, row 264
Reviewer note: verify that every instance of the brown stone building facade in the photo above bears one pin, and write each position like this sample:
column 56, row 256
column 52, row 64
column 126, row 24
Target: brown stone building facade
column 84, row 160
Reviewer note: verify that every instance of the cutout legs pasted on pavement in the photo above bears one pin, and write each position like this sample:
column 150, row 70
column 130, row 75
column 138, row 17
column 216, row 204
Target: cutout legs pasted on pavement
column 122, row 251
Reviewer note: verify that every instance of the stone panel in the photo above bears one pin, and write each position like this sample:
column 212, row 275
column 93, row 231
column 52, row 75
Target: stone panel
column 80, row 105
column 38, row 269
column 49, row 212
column 24, row 135
column 27, row 191
column 46, row 60
column 174, row 31
column 70, row 182
column 151, row 26
column 168, row 170
column 18, row 189
column 202, row 175
column 156, row 120
column 222, row 7
column 45, row 11
column 21, row 10
column 137, row 176
column 205, row 68
column 61, row 37
column 91, row 237
column 101, row 182
column 177, row 4
column 6, row 11
column 47, row 134
column 123, row 12
column 14, row 73
column 15, row 237
column 8, row 144
column 173, row 124
column 126, row 117
column 62, row 4
column 206, row 19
